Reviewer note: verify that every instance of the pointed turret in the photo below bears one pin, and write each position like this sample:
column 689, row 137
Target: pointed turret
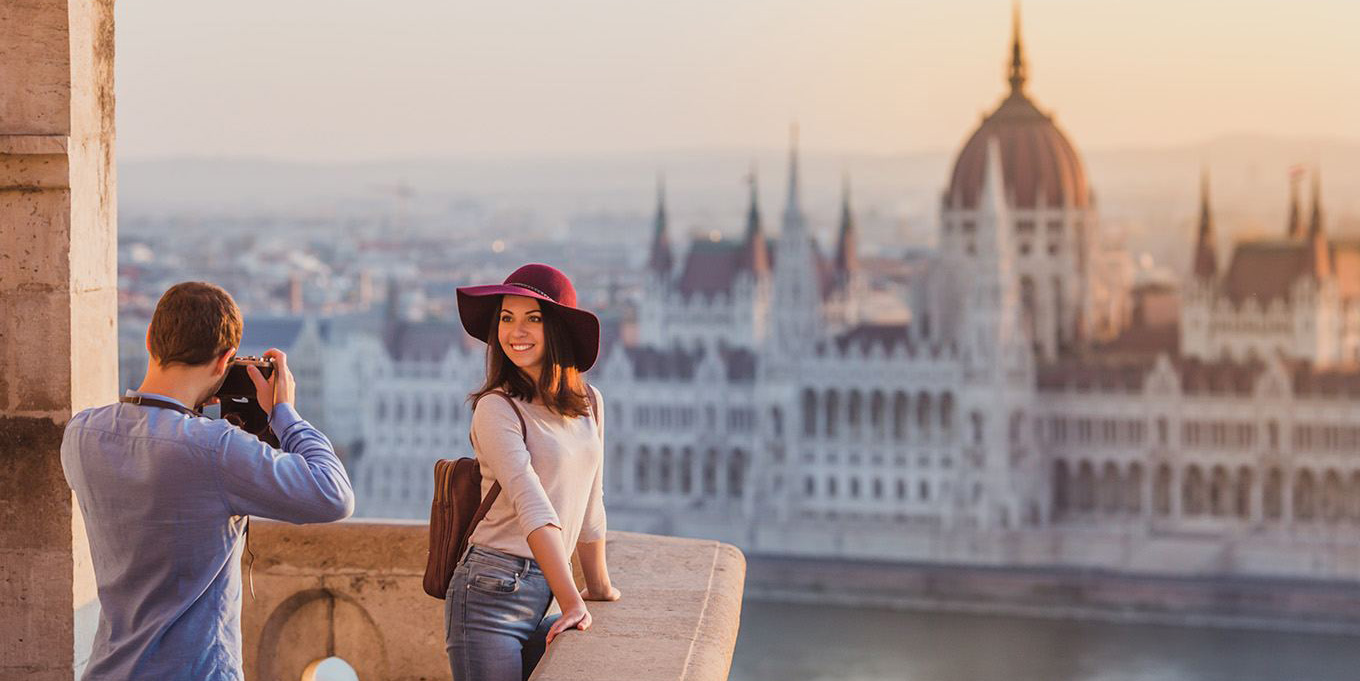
column 793, row 210
column 1206, row 257
column 1295, row 212
column 661, row 259
column 1317, row 238
column 847, row 241
column 1019, row 73
column 754, row 255
column 1315, row 222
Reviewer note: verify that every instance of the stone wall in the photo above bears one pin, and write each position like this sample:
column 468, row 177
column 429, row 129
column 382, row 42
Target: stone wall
column 58, row 344
column 353, row 590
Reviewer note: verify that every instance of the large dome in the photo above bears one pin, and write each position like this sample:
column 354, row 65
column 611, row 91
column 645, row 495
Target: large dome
column 1036, row 156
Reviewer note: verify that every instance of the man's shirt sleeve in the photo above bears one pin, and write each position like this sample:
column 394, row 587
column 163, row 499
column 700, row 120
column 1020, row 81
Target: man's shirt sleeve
column 303, row 483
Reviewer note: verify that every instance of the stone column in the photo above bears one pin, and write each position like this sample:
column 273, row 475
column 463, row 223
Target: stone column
column 58, row 306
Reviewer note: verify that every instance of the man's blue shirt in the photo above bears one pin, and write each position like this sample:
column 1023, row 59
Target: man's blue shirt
column 164, row 497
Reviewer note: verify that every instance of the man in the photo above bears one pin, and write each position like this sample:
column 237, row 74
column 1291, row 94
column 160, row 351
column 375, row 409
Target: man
column 165, row 494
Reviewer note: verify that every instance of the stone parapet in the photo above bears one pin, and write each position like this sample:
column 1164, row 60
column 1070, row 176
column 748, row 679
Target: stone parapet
column 353, row 590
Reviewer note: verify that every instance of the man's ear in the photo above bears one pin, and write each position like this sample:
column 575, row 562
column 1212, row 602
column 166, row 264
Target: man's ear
column 220, row 366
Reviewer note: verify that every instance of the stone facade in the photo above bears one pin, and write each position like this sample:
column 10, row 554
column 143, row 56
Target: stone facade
column 58, row 304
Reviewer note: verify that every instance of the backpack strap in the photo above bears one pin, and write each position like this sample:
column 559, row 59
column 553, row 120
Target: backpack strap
column 495, row 490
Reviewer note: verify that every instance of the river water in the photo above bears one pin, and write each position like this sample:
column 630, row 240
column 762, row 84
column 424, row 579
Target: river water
column 780, row 642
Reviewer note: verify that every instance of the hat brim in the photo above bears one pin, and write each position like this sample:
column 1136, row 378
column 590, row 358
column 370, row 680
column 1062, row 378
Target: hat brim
column 477, row 304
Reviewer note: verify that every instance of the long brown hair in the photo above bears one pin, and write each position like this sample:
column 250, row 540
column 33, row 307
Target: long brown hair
column 559, row 386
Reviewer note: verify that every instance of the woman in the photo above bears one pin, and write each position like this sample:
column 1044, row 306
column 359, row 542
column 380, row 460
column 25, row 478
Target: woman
column 550, row 471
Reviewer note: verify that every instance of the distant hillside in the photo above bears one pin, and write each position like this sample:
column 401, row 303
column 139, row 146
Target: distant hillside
column 1149, row 195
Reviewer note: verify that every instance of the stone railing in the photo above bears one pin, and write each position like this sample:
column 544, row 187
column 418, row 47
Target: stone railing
column 353, row 590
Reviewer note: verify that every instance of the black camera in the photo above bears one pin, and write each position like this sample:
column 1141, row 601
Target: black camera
column 237, row 398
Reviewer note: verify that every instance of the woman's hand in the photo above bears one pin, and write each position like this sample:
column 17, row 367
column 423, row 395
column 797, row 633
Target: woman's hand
column 576, row 617
column 611, row 595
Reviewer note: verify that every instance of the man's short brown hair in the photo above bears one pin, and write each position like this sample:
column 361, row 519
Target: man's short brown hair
column 194, row 323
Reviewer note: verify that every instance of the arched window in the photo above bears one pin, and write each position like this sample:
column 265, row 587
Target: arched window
column 664, row 468
column 1220, row 492
column 947, row 414
column 686, row 471
column 1086, row 487
column 923, row 414
column 1061, row 480
column 1133, row 489
column 876, row 413
column 1111, row 488
column 901, row 414
column 832, row 407
column 1333, row 497
column 642, row 471
column 1161, row 491
column 809, row 412
column 1304, row 492
column 854, row 415
column 1242, row 500
column 736, row 474
column 1192, row 492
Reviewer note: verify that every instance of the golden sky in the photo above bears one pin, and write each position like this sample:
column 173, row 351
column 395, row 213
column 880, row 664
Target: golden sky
column 354, row 79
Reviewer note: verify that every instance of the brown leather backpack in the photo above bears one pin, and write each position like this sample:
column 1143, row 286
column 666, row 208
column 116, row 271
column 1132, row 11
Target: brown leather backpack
column 458, row 507
column 456, row 510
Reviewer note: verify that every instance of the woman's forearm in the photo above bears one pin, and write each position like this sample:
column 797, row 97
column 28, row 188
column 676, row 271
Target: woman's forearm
column 546, row 545
column 593, row 566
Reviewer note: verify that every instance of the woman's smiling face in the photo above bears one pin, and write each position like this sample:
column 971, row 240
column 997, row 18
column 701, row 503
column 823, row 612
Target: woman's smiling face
column 520, row 332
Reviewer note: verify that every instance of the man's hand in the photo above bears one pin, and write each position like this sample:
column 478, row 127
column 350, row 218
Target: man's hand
column 279, row 388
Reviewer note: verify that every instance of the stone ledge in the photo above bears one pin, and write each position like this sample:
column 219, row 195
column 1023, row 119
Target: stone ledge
column 34, row 145
column 353, row 590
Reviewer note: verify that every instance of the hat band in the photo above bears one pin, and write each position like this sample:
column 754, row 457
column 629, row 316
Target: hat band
column 534, row 290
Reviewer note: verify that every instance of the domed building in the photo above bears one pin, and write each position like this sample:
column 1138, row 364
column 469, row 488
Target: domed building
column 758, row 406
column 1049, row 206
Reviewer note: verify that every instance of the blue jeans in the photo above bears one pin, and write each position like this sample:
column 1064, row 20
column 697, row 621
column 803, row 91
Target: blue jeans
column 494, row 616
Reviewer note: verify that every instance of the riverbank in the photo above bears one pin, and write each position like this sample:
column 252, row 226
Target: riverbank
column 1060, row 593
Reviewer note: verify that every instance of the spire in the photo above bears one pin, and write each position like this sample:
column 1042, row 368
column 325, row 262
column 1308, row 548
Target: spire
column 1295, row 212
column 1019, row 73
column 1206, row 258
column 1322, row 251
column 846, row 243
column 795, row 204
column 754, row 255
column 753, row 206
column 1315, row 222
column 660, row 260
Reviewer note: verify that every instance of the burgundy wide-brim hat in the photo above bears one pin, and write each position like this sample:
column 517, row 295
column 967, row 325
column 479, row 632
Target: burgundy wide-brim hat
column 477, row 306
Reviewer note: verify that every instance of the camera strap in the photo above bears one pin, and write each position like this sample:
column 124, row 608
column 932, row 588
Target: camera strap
column 173, row 406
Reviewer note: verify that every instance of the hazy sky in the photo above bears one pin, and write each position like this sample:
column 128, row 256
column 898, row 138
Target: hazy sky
column 362, row 79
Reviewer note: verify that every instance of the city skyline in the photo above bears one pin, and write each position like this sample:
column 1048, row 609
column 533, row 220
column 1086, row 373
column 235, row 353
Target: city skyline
column 613, row 77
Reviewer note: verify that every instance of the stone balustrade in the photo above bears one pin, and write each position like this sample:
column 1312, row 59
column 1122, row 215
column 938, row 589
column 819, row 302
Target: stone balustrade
column 353, row 590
